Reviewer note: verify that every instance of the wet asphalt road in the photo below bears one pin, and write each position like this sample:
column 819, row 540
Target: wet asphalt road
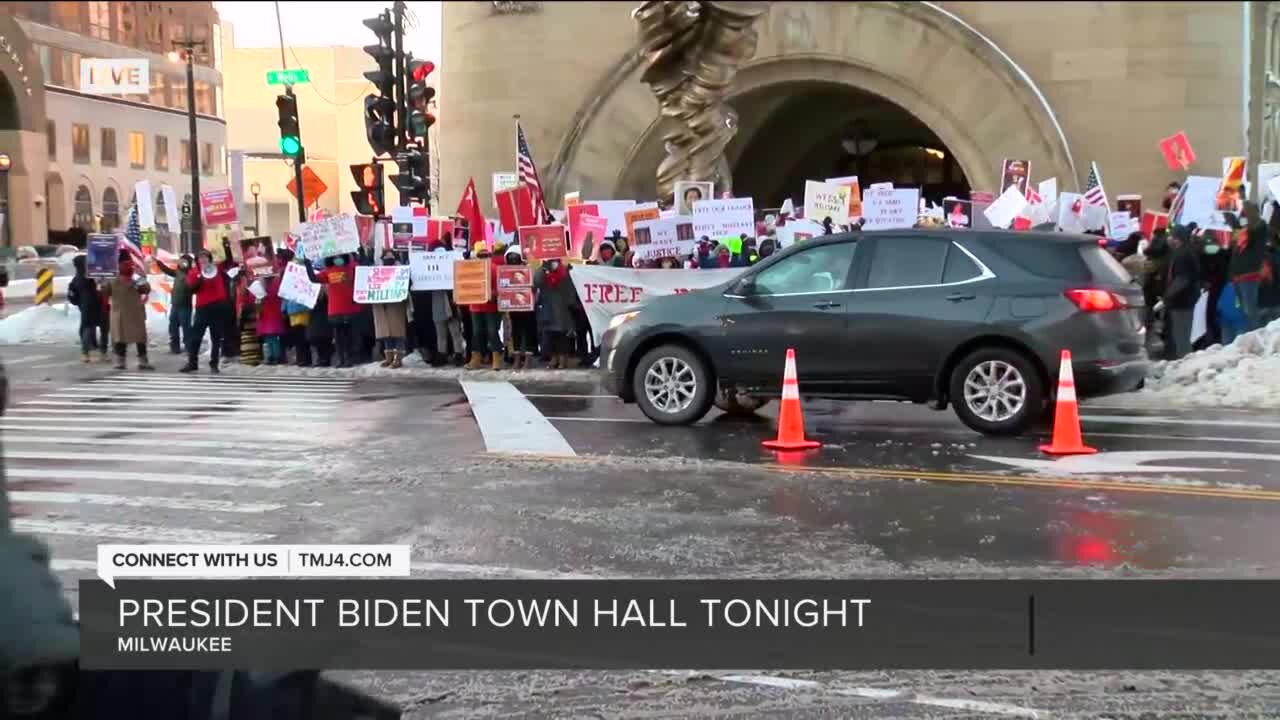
column 897, row 491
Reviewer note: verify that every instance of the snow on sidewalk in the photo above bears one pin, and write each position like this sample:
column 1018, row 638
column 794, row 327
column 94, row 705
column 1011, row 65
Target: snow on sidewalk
column 60, row 324
column 415, row 369
column 1244, row 374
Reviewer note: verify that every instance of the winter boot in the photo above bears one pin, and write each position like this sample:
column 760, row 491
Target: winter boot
column 214, row 369
column 477, row 362
column 84, row 357
column 395, row 360
column 119, row 362
column 528, row 361
column 144, row 365
column 517, row 361
column 497, row 361
column 456, row 360
column 555, row 361
column 387, row 357
column 188, row 368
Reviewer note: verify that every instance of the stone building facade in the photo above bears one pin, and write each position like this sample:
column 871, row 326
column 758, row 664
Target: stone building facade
column 967, row 83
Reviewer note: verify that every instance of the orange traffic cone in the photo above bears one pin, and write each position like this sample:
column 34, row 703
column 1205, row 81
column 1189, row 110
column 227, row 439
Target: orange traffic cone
column 790, row 416
column 1066, row 416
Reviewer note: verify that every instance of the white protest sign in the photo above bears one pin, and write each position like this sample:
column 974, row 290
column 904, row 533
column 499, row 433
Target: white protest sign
column 432, row 270
column 146, row 205
column 1269, row 178
column 404, row 215
column 504, row 181
column 614, row 212
column 880, row 186
column 247, row 561
column 665, row 237
column 890, row 209
column 826, row 200
column 606, row 291
column 1200, row 203
column 295, row 286
column 381, row 284
column 327, row 237
column 1119, row 225
column 1006, row 207
column 724, row 218
column 1071, row 212
column 798, row 230
column 1048, row 190
column 173, row 213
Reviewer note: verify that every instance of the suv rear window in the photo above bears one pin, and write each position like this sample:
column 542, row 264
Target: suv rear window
column 1104, row 266
column 1048, row 259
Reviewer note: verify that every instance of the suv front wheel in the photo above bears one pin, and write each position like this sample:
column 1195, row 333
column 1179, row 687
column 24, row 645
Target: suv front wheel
column 673, row 386
column 996, row 391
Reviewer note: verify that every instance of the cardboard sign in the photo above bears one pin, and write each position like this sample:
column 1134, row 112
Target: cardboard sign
column 515, row 288
column 102, row 256
column 665, row 237
column 1153, row 221
column 639, row 214
column 329, row 236
column 1015, row 173
column 958, row 213
column 855, row 194
column 1007, row 207
column 543, row 242
column 376, row 284
column 296, row 287
column 471, row 282
column 1177, row 152
column 688, row 193
column 732, row 217
column 1131, row 204
column 825, row 200
column 219, row 207
column 587, row 235
column 890, row 209
column 432, row 270
column 1118, row 225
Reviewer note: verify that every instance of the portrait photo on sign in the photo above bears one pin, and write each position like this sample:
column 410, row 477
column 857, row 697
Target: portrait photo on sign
column 687, row 192
column 958, row 213
column 1014, row 172
column 641, row 236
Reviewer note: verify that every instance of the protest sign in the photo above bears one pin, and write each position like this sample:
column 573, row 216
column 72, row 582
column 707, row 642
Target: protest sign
column 1071, row 212
column 146, row 207
column 408, row 224
column 1118, row 225
column 665, row 237
column 329, row 236
column 471, row 282
column 1006, row 207
column 690, row 192
column 588, row 234
column 515, row 208
column 1177, row 151
column 1048, row 191
column 825, row 200
column 219, row 207
column 1131, row 204
column 432, row 270
column 381, row 284
column 1014, row 173
column 890, row 209
column 1199, row 203
column 295, row 286
column 723, row 217
column 515, row 288
column 797, row 230
column 173, row 213
column 606, row 291
column 543, row 242
column 855, row 194
column 1266, row 173
column 573, row 219
column 102, row 256
column 880, row 186
column 504, row 181
column 640, row 213
column 1152, row 221
column 614, row 211
column 958, row 213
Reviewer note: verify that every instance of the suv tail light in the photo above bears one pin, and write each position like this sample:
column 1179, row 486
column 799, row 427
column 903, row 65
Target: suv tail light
column 1092, row 300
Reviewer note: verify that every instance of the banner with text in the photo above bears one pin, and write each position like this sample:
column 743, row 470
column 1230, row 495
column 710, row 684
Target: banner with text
column 326, row 237
column 543, row 242
column 732, row 217
column 826, row 200
column 890, row 209
column 295, row 286
column 381, row 284
column 432, row 270
column 665, row 237
column 606, row 291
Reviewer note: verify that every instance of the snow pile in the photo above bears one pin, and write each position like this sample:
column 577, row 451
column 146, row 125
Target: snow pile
column 415, row 368
column 1245, row 373
column 60, row 323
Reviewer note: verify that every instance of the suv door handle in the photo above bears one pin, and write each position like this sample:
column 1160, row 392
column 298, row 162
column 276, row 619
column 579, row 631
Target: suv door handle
column 958, row 297
column 826, row 305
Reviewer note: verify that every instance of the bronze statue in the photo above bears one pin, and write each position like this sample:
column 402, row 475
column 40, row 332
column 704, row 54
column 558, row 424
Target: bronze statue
column 692, row 50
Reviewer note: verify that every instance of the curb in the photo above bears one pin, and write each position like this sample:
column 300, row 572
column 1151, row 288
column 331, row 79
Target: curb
column 418, row 372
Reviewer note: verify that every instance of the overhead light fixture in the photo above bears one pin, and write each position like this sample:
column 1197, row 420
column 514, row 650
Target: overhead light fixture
column 936, row 153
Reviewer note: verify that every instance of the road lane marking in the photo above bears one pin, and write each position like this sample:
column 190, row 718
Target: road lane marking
column 133, row 531
column 27, row 359
column 245, row 413
column 236, row 381
column 183, row 402
column 194, row 395
column 47, row 366
column 11, row 439
column 510, row 423
column 133, row 476
column 301, row 424
column 1119, row 462
column 42, row 427
column 882, row 694
column 1161, row 420
column 1180, row 438
column 10, row 454
column 170, row 503
column 573, row 397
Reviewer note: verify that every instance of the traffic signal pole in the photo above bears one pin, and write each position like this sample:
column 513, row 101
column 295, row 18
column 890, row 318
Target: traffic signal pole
column 401, row 88
column 297, row 163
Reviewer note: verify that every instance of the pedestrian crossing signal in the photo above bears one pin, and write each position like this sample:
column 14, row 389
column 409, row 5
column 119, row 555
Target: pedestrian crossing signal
column 369, row 198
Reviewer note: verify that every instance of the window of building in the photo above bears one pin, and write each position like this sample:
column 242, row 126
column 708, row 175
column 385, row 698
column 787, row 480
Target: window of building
column 99, row 20
column 51, row 138
column 110, row 210
column 65, row 15
column 137, row 150
column 80, row 143
column 109, row 147
column 184, row 162
column 159, row 96
column 178, row 92
column 204, row 98
column 206, row 159
column 162, row 152
column 161, row 211
column 83, row 217
column 124, row 24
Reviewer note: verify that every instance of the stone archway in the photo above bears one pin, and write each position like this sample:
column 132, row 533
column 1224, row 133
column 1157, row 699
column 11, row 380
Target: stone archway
column 916, row 55
column 22, row 129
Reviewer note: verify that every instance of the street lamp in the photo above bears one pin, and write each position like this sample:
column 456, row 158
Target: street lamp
column 5, row 163
column 255, row 188
column 185, row 51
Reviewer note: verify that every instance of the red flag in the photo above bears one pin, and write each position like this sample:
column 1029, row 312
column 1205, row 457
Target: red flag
column 469, row 210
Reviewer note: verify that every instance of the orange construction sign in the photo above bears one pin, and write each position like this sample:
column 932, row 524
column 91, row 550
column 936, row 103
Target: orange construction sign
column 312, row 187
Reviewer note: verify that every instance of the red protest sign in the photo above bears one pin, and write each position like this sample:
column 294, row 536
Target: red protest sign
column 1177, row 152
column 543, row 242
column 1153, row 221
column 515, row 288
column 515, row 207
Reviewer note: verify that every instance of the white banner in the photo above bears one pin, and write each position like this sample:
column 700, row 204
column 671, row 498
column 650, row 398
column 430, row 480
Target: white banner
column 295, row 286
column 504, row 181
column 615, row 212
column 724, row 218
column 381, row 284
column 606, row 291
column 115, row 76
column 666, row 237
column 824, row 200
column 1119, row 225
column 327, row 237
column 890, row 209
column 432, row 270
column 146, row 205
column 172, row 211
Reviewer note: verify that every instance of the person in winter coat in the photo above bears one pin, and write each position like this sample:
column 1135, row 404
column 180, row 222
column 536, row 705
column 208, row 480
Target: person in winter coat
column 485, row 319
column 391, row 323
column 705, row 259
column 319, row 332
column 83, row 292
column 179, row 304
column 553, row 307
column 524, row 324
column 1230, row 315
column 444, row 315
column 128, row 292
column 1182, row 291
column 339, row 280
column 213, row 309
column 622, row 253
column 1246, row 264
column 724, row 257
column 607, row 252
column 271, row 323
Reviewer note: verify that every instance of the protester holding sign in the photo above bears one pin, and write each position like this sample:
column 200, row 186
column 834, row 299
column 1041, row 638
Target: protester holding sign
column 213, row 311
column 83, row 292
column 128, row 291
column 554, row 311
column 339, row 280
column 391, row 322
column 524, row 324
column 444, row 315
column 179, row 304
column 271, row 323
column 484, row 317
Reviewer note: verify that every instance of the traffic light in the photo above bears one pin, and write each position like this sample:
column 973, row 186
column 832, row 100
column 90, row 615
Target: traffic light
column 420, row 97
column 369, row 198
column 380, row 109
column 290, row 133
column 411, row 181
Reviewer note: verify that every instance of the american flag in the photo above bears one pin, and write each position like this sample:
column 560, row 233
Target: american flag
column 528, row 172
column 1094, row 193
column 132, row 239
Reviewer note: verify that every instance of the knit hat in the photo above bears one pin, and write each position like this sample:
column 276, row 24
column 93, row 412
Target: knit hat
column 479, row 247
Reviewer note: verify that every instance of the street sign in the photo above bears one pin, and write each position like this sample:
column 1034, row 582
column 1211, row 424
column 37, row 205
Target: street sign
column 288, row 77
column 312, row 187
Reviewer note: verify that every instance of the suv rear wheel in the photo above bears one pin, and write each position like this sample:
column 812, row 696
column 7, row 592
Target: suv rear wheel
column 996, row 391
column 673, row 386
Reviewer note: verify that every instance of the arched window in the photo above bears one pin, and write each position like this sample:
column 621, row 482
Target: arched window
column 110, row 210
column 83, row 216
column 161, row 212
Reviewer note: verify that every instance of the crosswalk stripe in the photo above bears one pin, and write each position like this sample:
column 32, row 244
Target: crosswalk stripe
column 222, row 386
column 27, row 359
column 171, row 503
column 196, row 395
column 146, row 533
column 12, row 439
column 510, row 423
column 53, row 426
column 227, row 405
column 166, row 422
column 11, row 454
column 175, row 414
column 228, row 380
column 135, row 476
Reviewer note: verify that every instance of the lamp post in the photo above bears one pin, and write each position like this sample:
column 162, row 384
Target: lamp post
column 255, row 188
column 5, row 163
column 184, row 51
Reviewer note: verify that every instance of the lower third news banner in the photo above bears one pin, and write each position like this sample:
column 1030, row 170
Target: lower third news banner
column 634, row 624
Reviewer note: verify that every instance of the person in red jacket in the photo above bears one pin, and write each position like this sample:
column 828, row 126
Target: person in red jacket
column 208, row 281
column 339, row 280
column 271, row 326
column 485, row 319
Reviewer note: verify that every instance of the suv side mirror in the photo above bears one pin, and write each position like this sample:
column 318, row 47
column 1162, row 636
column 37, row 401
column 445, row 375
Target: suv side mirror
column 746, row 287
